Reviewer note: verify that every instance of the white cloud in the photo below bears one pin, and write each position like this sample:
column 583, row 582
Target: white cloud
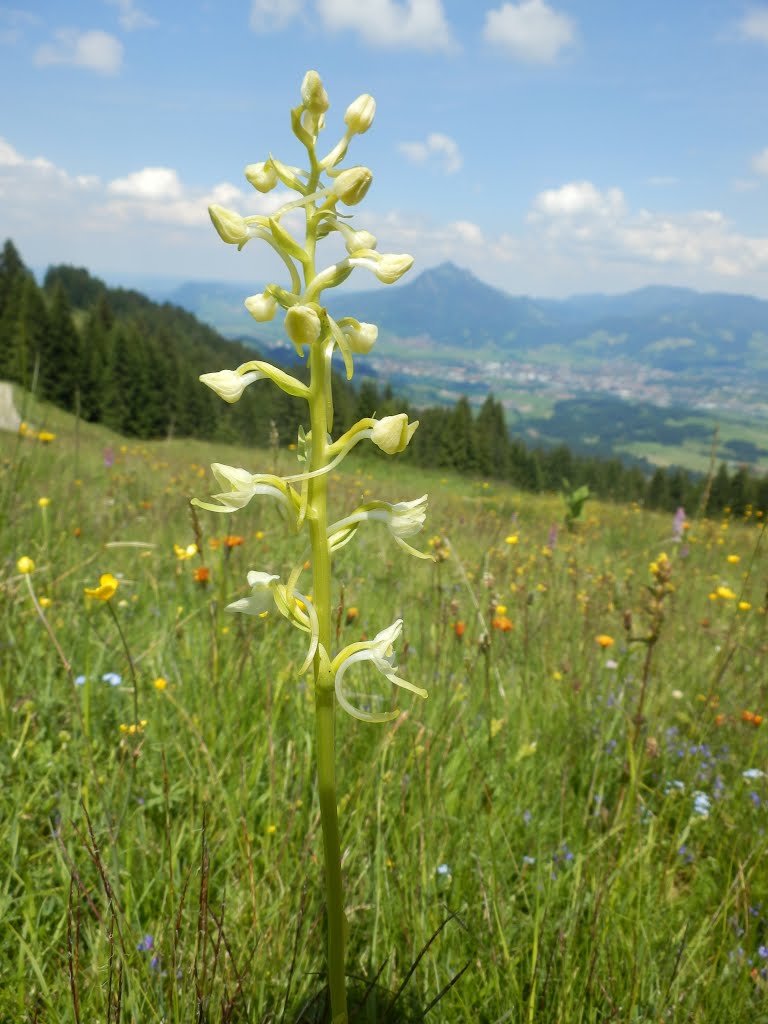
column 158, row 195
column 131, row 17
column 577, row 198
column 148, row 183
column 436, row 145
column 596, row 225
column 760, row 161
column 754, row 24
column 530, row 30
column 273, row 15
column 419, row 24
column 94, row 50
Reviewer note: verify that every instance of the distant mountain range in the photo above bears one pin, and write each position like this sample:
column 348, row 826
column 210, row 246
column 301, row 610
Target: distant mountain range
column 446, row 333
column 671, row 329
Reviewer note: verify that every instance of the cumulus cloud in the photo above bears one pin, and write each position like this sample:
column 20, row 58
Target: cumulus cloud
column 754, row 24
column 416, row 24
column 274, row 15
column 577, row 198
column 148, row 183
column 95, row 50
column 130, row 16
column 585, row 220
column 531, row 31
column 24, row 176
column 760, row 161
column 158, row 195
column 436, row 145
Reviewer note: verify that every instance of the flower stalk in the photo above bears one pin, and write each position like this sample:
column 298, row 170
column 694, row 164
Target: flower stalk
column 305, row 494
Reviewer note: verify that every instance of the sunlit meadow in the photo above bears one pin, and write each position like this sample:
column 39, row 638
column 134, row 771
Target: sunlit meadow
column 573, row 822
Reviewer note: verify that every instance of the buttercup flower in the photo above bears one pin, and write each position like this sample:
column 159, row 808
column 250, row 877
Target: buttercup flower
column 184, row 554
column 25, row 565
column 106, row 588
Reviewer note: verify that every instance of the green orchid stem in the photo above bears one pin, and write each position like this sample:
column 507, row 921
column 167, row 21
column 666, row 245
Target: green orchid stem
column 325, row 701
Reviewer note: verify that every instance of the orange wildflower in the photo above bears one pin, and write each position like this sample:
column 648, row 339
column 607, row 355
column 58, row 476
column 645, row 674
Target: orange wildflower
column 502, row 623
column 459, row 628
column 201, row 575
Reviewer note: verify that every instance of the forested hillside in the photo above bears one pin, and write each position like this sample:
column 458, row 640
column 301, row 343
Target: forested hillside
column 115, row 357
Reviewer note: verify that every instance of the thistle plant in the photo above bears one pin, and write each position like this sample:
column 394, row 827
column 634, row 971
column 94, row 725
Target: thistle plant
column 303, row 496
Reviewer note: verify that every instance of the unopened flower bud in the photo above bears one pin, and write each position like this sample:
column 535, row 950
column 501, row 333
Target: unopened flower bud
column 230, row 226
column 262, row 176
column 360, row 114
column 392, row 433
column 313, row 95
column 261, row 307
column 351, row 185
column 362, row 338
column 356, row 240
column 302, row 325
column 230, row 385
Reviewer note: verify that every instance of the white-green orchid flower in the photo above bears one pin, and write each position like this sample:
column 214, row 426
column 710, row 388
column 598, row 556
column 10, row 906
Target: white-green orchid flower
column 243, row 486
column 402, row 519
column 297, row 608
column 380, row 653
column 230, row 384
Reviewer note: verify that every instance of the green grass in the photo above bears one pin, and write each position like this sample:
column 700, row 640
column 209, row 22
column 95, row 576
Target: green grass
column 578, row 880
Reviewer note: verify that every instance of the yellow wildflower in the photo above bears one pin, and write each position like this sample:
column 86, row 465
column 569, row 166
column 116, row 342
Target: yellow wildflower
column 160, row 683
column 726, row 593
column 106, row 588
column 511, row 539
column 43, row 502
column 733, row 559
column 183, row 554
column 604, row 640
column 45, row 437
column 25, row 565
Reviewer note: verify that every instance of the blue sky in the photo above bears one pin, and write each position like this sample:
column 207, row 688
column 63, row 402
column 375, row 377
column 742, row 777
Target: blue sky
column 550, row 147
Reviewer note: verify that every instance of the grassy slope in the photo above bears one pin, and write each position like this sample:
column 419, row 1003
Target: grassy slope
column 587, row 885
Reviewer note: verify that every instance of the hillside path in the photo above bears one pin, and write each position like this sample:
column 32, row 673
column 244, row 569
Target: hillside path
column 9, row 418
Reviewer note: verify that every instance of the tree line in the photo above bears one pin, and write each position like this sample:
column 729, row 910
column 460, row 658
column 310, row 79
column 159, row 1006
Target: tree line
column 113, row 356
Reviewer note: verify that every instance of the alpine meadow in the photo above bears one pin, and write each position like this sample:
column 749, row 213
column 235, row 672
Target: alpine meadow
column 409, row 722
